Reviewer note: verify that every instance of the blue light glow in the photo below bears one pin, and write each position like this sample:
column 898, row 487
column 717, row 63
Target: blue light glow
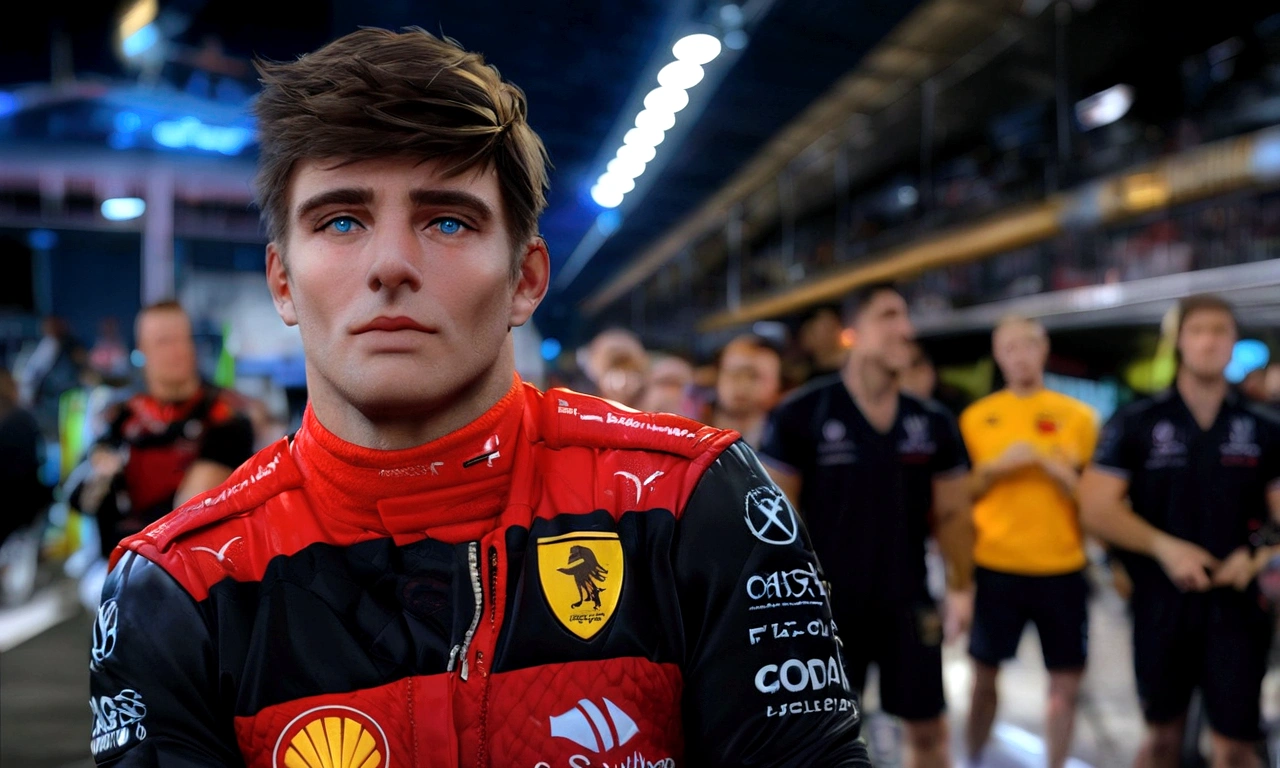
column 550, row 349
column 42, row 239
column 123, row 208
column 127, row 122
column 137, row 358
column 141, row 41
column 1248, row 356
column 189, row 133
column 8, row 103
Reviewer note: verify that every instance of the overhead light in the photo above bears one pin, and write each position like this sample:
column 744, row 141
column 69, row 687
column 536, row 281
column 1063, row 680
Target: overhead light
column 606, row 197
column 907, row 196
column 628, row 167
column 666, row 100
column 736, row 40
column 648, row 136
column 123, row 208
column 637, row 152
column 622, row 184
column 696, row 49
column 1104, row 107
column 658, row 121
column 680, row 74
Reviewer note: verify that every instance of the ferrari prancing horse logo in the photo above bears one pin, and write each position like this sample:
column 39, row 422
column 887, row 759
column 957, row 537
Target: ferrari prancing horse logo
column 581, row 575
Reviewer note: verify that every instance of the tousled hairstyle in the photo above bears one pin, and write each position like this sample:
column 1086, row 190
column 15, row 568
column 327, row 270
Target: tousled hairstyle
column 858, row 300
column 1204, row 302
column 375, row 93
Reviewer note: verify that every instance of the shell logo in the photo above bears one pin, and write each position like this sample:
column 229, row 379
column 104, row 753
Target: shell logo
column 332, row 736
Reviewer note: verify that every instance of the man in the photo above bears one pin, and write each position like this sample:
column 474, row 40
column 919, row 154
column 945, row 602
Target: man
column 748, row 385
column 873, row 470
column 1028, row 445
column 1199, row 467
column 444, row 566
column 179, row 438
column 615, row 363
column 667, row 386
column 821, row 338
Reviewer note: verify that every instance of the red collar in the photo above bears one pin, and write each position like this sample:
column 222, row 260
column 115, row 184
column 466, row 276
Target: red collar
column 452, row 489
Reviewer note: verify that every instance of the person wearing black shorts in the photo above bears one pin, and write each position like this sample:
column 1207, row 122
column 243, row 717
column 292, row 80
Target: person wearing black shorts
column 1200, row 467
column 873, row 471
column 1028, row 445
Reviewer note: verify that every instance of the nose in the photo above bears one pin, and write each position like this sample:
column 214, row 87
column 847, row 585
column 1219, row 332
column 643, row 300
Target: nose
column 397, row 259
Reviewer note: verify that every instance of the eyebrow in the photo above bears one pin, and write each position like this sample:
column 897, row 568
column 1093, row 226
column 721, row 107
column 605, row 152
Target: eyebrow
column 421, row 198
column 344, row 196
column 452, row 198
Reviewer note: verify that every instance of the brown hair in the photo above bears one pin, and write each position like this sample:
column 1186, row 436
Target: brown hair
column 1204, row 302
column 376, row 93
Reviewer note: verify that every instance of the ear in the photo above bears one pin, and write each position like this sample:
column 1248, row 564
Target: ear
column 278, row 284
column 532, row 282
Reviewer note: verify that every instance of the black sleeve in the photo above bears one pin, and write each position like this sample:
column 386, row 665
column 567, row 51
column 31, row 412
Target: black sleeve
column 229, row 443
column 765, row 683
column 1114, row 453
column 951, row 455
column 153, row 676
column 785, row 442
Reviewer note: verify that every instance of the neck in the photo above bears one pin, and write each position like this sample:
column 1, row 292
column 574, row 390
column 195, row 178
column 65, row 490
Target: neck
column 173, row 391
column 1200, row 390
column 402, row 427
column 869, row 381
column 1028, row 387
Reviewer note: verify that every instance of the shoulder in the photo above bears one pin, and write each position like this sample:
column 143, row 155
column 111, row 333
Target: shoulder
column 981, row 407
column 810, row 394
column 636, row 460
column 1069, row 405
column 1266, row 415
column 218, row 519
column 571, row 419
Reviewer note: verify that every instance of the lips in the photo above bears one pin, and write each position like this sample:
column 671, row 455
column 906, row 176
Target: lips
column 393, row 324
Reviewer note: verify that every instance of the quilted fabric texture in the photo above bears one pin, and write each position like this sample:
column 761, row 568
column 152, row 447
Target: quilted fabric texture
column 647, row 693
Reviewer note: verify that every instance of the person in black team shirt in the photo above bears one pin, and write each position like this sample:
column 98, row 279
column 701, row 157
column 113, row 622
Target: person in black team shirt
column 872, row 471
column 179, row 438
column 1199, row 466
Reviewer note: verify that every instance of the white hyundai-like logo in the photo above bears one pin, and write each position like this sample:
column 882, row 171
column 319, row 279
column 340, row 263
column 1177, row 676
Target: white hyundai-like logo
column 769, row 516
column 582, row 724
column 639, row 484
column 220, row 554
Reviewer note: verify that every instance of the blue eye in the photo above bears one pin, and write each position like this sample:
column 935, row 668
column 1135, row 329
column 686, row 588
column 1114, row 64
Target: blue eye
column 450, row 226
column 343, row 224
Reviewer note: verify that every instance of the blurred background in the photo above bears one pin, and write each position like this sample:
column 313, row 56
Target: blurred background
column 1084, row 162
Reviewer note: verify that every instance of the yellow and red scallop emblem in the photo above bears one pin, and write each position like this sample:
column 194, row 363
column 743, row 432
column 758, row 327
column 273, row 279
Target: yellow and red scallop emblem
column 332, row 737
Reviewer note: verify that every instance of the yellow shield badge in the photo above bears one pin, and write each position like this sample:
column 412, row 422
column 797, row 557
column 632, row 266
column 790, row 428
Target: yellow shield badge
column 581, row 576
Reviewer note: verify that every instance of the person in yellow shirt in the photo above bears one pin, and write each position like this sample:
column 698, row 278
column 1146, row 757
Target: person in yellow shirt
column 1028, row 446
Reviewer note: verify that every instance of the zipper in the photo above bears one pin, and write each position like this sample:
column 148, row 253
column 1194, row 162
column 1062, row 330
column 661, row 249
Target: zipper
column 473, row 564
column 483, row 747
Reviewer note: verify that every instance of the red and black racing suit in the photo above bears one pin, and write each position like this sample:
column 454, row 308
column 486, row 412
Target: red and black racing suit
column 561, row 583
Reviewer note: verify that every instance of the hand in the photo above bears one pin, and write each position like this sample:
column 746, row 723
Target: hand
column 1238, row 570
column 1019, row 455
column 1187, row 565
column 958, row 614
column 1121, row 581
column 106, row 462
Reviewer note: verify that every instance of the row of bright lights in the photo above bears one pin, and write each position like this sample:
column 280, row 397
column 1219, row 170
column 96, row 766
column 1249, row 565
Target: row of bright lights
column 639, row 146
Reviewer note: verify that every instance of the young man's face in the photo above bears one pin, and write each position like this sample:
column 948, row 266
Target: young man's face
column 749, row 381
column 1021, row 350
column 399, row 279
column 167, row 346
column 884, row 331
column 1206, row 341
